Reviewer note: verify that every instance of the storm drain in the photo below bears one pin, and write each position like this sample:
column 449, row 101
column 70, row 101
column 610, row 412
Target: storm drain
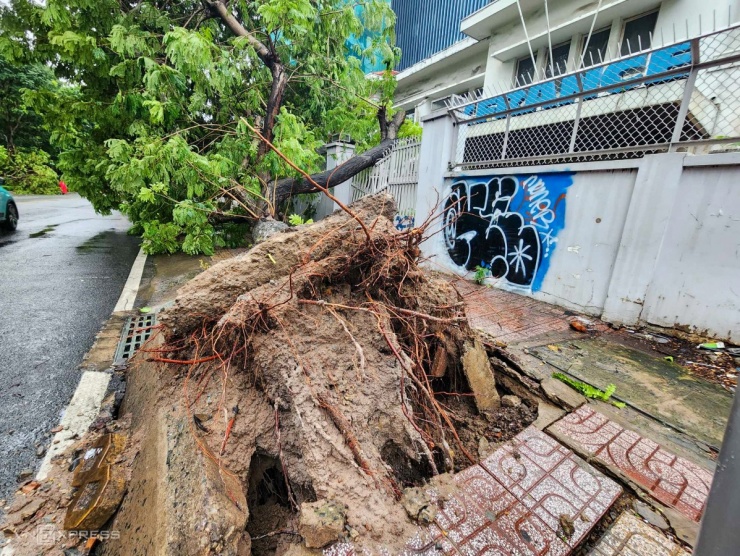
column 137, row 331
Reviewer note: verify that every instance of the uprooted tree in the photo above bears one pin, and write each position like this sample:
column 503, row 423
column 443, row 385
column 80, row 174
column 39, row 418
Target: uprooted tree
column 324, row 366
column 163, row 98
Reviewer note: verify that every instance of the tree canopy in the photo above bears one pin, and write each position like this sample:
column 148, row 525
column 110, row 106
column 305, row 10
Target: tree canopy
column 159, row 98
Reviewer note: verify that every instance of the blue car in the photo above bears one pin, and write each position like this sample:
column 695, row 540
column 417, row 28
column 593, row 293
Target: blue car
column 8, row 209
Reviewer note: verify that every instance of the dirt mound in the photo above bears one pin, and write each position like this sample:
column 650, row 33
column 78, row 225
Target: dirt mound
column 322, row 366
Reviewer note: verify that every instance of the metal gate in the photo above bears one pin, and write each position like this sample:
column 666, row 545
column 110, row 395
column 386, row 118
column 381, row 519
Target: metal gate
column 397, row 174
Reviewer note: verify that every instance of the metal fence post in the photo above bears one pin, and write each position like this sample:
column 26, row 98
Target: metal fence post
column 508, row 129
column 577, row 121
column 688, row 92
column 720, row 534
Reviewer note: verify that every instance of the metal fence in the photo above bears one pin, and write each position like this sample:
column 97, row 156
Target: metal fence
column 398, row 174
column 685, row 97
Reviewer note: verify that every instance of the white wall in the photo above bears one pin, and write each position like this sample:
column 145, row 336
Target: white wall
column 696, row 282
column 583, row 262
column 654, row 240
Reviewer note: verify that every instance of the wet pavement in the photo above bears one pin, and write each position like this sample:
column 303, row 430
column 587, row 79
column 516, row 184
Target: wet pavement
column 61, row 274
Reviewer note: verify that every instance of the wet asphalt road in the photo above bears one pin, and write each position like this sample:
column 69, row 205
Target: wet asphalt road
column 61, row 274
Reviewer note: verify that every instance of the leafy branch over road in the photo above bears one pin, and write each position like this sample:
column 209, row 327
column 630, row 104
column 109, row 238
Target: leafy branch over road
column 151, row 119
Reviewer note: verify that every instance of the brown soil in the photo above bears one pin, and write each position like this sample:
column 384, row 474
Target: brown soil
column 306, row 367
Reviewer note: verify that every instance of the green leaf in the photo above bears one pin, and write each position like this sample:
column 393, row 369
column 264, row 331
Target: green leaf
column 590, row 391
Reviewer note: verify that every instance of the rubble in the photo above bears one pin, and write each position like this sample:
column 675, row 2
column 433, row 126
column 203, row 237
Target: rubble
column 321, row 523
column 479, row 373
column 561, row 394
column 511, row 401
column 100, row 485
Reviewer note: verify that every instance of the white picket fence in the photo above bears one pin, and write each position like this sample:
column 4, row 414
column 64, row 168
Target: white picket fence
column 398, row 174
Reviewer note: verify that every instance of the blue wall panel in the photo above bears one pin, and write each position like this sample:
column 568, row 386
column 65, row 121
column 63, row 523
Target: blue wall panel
column 425, row 27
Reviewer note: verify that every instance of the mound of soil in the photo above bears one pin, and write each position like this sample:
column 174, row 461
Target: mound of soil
column 325, row 365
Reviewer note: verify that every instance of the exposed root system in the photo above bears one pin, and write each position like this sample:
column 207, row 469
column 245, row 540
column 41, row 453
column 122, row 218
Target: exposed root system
column 324, row 364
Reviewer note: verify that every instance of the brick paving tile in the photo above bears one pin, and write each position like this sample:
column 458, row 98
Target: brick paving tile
column 629, row 536
column 553, row 483
column 514, row 503
column 670, row 479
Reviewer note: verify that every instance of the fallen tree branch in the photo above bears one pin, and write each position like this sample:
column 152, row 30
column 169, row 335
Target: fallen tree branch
column 324, row 190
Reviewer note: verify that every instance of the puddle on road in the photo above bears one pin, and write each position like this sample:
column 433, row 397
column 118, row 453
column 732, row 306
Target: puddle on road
column 97, row 243
column 43, row 232
column 664, row 389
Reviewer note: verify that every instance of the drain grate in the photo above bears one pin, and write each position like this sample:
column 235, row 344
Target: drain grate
column 137, row 331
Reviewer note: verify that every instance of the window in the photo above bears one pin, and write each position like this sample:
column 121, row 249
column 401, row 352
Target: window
column 441, row 103
column 559, row 64
column 525, row 72
column 595, row 51
column 638, row 33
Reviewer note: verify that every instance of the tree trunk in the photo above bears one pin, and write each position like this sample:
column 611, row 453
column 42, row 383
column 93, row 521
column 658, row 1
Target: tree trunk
column 288, row 187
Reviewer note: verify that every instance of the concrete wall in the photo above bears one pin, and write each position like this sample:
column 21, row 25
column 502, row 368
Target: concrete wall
column 655, row 240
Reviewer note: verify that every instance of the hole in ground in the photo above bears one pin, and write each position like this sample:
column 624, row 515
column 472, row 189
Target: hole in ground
column 408, row 471
column 270, row 510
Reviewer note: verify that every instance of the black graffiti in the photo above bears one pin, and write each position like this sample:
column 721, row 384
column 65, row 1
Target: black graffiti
column 480, row 230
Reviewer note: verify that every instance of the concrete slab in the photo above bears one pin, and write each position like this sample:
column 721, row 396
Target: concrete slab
column 631, row 537
column 561, row 394
column 670, row 479
column 656, row 386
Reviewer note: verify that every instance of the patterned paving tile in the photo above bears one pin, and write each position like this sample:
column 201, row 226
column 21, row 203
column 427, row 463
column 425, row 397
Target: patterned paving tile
column 631, row 537
column 553, row 483
column 670, row 479
column 515, row 503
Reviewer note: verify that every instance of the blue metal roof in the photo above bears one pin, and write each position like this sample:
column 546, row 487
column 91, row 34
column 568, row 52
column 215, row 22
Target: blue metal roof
column 426, row 27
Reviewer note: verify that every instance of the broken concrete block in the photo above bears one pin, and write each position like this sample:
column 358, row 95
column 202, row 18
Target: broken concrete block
column 480, row 377
column 30, row 509
column 418, row 505
column 100, row 485
column 651, row 516
column 511, row 401
column 321, row 523
column 561, row 394
column 265, row 229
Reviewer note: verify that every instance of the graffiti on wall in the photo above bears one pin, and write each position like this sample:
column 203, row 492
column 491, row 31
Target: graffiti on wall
column 508, row 225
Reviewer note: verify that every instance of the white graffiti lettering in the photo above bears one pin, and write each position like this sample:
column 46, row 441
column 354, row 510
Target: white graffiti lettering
column 540, row 206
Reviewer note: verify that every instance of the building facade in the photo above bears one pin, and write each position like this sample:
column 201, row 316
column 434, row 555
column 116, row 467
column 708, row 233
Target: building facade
column 496, row 51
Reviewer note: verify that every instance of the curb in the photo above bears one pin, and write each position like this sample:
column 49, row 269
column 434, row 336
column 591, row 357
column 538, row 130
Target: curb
column 87, row 400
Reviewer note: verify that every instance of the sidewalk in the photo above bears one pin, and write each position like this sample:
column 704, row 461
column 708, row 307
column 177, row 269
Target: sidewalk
column 662, row 446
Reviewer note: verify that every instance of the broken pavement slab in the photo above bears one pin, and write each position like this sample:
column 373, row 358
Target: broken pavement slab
column 629, row 536
column 480, row 377
column 680, row 486
column 100, row 485
column 517, row 501
column 659, row 388
column 561, row 394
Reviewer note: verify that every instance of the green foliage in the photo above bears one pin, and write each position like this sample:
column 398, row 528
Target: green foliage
column 480, row 275
column 21, row 127
column 28, row 172
column 410, row 129
column 297, row 220
column 590, row 391
column 150, row 117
